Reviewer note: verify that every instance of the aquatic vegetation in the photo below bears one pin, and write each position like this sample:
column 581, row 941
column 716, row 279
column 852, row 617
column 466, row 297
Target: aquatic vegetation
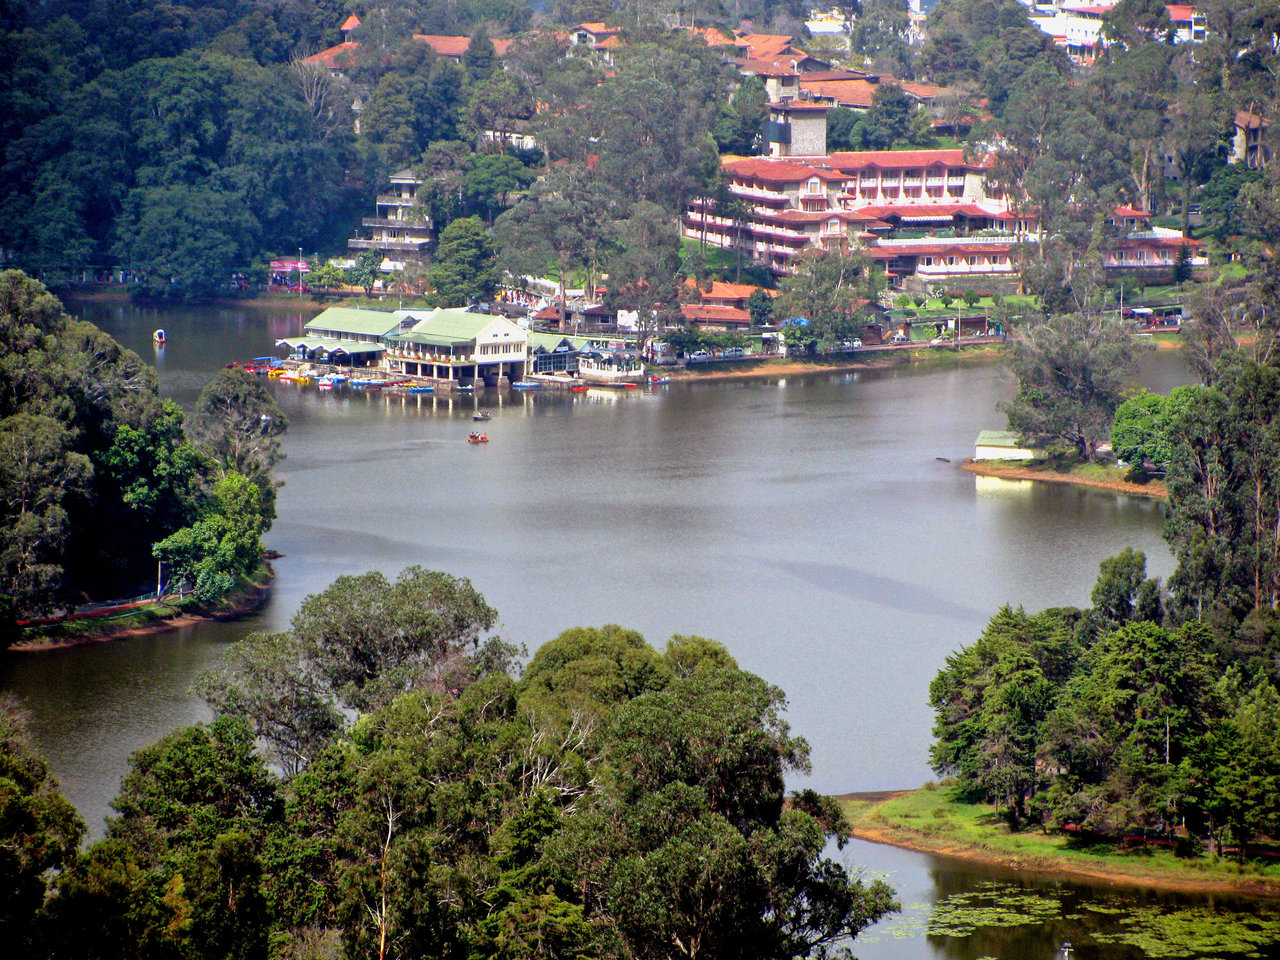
column 1194, row 932
column 991, row 905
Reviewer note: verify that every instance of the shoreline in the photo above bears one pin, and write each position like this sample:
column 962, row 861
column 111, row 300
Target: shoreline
column 240, row 604
column 1154, row 490
column 872, row 359
column 1039, row 865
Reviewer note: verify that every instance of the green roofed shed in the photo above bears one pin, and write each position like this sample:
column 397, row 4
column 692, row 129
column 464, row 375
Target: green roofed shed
column 349, row 323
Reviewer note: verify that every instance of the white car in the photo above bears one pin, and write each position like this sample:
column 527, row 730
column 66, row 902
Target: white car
column 899, row 337
column 698, row 356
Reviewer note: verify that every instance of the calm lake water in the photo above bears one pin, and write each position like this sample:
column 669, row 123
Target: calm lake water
column 811, row 524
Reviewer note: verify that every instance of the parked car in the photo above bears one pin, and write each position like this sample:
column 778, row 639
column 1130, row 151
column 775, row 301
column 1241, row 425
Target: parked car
column 899, row 337
column 733, row 353
column 945, row 338
column 853, row 344
column 698, row 356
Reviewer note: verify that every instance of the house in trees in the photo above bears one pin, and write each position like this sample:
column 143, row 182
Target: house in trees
column 399, row 226
column 1248, row 141
column 453, row 48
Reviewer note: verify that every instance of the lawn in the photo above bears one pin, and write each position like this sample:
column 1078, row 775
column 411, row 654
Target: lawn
column 933, row 818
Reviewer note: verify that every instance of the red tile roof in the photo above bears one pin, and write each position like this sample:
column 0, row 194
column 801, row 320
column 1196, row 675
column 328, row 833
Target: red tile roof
column 921, row 210
column 727, row 291
column 1250, row 121
column 849, row 92
column 765, row 46
column 801, row 106
column 1180, row 12
column 778, row 171
column 335, row 57
column 350, row 23
column 712, row 313
column 457, row 46
column 900, row 159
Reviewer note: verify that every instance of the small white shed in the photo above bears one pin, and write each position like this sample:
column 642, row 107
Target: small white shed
column 1004, row 445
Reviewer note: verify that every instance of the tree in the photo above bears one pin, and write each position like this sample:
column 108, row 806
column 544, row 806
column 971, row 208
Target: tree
column 39, row 832
column 1236, row 775
column 237, row 422
column 538, row 234
column 1071, row 370
column 1124, row 726
column 825, row 290
column 889, row 121
column 1222, row 493
column 1123, row 593
column 480, row 59
column 491, row 178
column 225, row 545
column 1140, row 433
column 990, row 700
column 1133, row 22
column 464, row 270
column 689, row 843
column 367, row 271
column 760, row 306
column 267, row 679
column 737, row 128
column 370, row 639
column 644, row 271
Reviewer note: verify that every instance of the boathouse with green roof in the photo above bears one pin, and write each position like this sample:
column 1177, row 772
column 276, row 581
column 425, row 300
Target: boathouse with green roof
column 458, row 347
column 345, row 335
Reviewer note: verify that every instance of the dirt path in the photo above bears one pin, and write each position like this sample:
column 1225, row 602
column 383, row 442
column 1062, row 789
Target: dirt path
column 1154, row 489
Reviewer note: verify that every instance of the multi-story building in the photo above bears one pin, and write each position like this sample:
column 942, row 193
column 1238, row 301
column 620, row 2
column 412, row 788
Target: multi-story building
column 927, row 215
column 399, row 228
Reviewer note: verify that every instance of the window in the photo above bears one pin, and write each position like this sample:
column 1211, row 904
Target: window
column 815, row 185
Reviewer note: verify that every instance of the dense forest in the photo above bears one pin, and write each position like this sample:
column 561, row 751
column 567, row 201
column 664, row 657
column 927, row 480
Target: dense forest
column 100, row 478
column 613, row 801
column 186, row 142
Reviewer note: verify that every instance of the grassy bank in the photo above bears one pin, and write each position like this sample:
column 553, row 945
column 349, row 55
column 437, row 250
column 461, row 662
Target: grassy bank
column 145, row 620
column 933, row 820
column 1099, row 475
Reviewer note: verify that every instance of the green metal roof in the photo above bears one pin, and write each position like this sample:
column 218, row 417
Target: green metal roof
column 356, row 322
column 451, row 325
column 349, row 347
column 999, row 438
column 549, row 341
column 429, row 339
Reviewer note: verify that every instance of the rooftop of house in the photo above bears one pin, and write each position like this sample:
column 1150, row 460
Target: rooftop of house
column 1250, row 121
column 451, row 325
column 336, row 57
column 355, row 322
column 772, row 170
column 999, row 438
column 714, row 313
column 455, row 47
column 350, row 23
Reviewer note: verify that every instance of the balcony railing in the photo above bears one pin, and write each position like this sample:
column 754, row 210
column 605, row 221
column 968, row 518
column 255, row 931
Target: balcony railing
column 398, row 246
column 395, row 200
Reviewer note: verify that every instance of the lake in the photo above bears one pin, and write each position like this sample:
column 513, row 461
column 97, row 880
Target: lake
column 813, row 524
